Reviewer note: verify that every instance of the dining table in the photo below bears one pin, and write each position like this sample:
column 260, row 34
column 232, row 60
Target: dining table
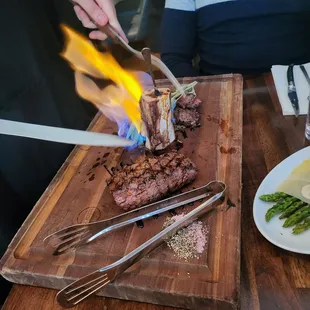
column 270, row 277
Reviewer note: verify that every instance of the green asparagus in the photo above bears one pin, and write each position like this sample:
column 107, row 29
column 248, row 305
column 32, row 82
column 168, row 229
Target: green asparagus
column 292, row 209
column 302, row 227
column 279, row 207
column 276, row 197
column 297, row 217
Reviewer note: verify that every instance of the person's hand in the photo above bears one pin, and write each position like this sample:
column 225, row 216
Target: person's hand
column 102, row 12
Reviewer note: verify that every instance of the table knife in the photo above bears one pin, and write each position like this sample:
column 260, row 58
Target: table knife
column 307, row 130
column 292, row 94
column 304, row 71
column 61, row 135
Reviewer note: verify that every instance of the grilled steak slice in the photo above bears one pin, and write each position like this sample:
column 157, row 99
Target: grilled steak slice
column 185, row 113
column 186, row 117
column 188, row 102
column 151, row 179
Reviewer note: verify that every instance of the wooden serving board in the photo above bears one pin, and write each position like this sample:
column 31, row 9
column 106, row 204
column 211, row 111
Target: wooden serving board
column 78, row 194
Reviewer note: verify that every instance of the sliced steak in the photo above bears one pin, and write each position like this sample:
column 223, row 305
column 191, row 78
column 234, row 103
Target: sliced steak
column 151, row 179
column 187, row 118
column 188, row 102
column 185, row 113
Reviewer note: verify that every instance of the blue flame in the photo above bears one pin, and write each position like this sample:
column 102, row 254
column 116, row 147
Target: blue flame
column 173, row 106
column 129, row 131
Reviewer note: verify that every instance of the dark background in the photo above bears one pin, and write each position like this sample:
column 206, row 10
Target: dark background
column 37, row 86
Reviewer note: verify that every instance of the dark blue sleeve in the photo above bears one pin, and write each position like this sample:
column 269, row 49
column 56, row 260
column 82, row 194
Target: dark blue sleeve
column 178, row 33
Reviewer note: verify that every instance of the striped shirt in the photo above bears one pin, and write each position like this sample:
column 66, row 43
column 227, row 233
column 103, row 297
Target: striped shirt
column 242, row 36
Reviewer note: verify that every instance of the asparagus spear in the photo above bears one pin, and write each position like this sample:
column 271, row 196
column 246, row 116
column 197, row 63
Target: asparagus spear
column 276, row 197
column 292, row 209
column 302, row 227
column 297, row 217
column 279, row 207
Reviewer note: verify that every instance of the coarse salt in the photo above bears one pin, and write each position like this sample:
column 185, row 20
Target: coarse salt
column 190, row 241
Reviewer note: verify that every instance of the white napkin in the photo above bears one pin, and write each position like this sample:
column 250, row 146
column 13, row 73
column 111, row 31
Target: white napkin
column 302, row 88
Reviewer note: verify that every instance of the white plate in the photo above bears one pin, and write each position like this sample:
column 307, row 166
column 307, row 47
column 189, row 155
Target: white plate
column 273, row 230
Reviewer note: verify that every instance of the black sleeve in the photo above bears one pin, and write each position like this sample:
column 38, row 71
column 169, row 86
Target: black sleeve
column 178, row 39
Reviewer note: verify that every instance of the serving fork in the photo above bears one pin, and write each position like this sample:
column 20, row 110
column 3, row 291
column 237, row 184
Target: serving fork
column 74, row 293
column 114, row 35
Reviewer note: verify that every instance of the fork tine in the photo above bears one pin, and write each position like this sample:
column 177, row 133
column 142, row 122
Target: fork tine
column 71, row 233
column 73, row 237
column 57, row 245
column 85, row 288
column 81, row 289
column 65, row 246
column 92, row 292
column 69, row 230
column 104, row 276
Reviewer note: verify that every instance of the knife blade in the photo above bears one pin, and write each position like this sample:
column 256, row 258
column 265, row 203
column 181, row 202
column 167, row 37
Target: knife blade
column 292, row 94
column 61, row 135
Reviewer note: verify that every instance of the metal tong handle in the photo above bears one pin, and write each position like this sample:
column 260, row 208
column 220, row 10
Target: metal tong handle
column 88, row 285
column 74, row 236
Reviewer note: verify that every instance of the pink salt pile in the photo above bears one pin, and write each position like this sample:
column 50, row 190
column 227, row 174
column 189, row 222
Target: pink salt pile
column 190, row 241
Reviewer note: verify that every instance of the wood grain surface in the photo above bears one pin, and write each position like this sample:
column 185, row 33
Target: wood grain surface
column 271, row 278
column 78, row 194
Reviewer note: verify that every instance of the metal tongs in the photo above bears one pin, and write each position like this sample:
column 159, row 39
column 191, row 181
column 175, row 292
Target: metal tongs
column 114, row 35
column 77, row 235
column 88, row 285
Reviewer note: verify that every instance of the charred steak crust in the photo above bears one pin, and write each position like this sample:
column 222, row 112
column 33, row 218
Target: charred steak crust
column 186, row 112
column 151, row 179
column 189, row 102
column 187, row 117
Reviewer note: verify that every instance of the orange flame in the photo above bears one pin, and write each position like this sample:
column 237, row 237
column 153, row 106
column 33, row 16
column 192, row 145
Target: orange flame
column 116, row 102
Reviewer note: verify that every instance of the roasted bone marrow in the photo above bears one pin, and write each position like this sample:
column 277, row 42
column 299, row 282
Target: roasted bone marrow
column 157, row 125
